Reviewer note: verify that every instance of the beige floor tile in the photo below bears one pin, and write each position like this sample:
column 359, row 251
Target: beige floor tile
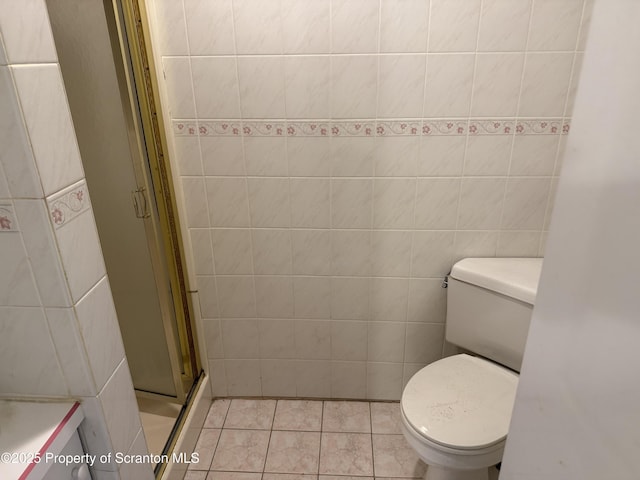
column 304, row 415
column 352, row 417
column 385, row 418
column 394, row 457
column 250, row 414
column 233, row 476
column 195, row 475
column 288, row 476
column 293, row 452
column 217, row 413
column 205, row 447
column 241, row 451
column 346, row 454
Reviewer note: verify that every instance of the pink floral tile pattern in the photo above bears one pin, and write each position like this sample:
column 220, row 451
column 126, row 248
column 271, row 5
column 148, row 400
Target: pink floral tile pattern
column 68, row 203
column 8, row 221
column 372, row 128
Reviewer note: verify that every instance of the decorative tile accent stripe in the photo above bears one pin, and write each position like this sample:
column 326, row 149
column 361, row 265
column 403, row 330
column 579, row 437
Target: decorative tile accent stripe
column 371, row 128
column 8, row 222
column 68, row 203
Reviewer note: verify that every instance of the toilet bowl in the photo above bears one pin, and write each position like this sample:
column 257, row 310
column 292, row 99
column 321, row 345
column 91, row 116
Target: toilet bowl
column 456, row 411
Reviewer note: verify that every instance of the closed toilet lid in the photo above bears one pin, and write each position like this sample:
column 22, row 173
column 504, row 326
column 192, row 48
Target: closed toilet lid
column 461, row 402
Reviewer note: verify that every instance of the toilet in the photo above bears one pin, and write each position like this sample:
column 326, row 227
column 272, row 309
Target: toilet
column 456, row 411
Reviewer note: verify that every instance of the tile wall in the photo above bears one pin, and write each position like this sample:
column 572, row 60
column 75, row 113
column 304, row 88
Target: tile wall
column 59, row 335
column 337, row 156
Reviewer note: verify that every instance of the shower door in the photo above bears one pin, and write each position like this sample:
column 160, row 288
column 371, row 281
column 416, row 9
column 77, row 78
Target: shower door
column 107, row 123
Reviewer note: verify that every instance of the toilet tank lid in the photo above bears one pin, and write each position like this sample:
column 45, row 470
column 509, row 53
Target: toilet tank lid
column 514, row 277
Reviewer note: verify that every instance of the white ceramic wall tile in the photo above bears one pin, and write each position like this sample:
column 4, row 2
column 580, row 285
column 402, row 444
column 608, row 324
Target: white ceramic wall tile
column 272, row 252
column 215, row 86
column 481, row 201
column 389, row 299
column 545, row 83
column 4, row 186
column 243, row 378
column 28, row 371
column 348, row 380
column 496, row 84
column 202, row 251
column 209, row 26
column 474, row 244
column 585, row 25
column 177, row 76
column 353, row 86
column 437, row 203
column 310, row 203
column 195, row 198
column 351, row 252
column 172, row 41
column 488, row 155
column 432, row 252
column 26, row 32
column 81, row 255
column 269, row 202
column 354, row 26
column 504, row 25
column 305, row 26
column 39, row 242
column 232, row 251
column 265, row 156
column 313, row 378
column 307, row 86
column 3, row 55
column 312, row 297
column 427, row 300
column 278, row 378
column 95, row 436
column 350, row 298
column 208, row 296
column 120, row 409
column 218, row 374
column 274, row 297
column 309, row 157
column 384, row 381
column 396, row 156
column 213, row 338
column 188, row 155
column 277, row 338
column 100, row 332
column 351, row 202
column 240, row 338
column 313, row 339
column 449, row 82
column 237, row 296
column 257, row 33
column 49, row 124
column 311, row 252
column 228, row 202
column 17, row 286
column 534, row 155
column 261, row 87
column 554, row 25
column 573, row 85
column 353, row 156
column 453, row 25
column 222, row 155
column 423, row 342
column 349, row 340
column 404, row 29
column 390, row 253
column 441, row 156
column 525, row 203
column 518, row 244
column 138, row 470
column 393, row 203
column 401, row 85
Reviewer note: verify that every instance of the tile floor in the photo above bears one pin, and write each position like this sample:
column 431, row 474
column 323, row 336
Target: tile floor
column 303, row 440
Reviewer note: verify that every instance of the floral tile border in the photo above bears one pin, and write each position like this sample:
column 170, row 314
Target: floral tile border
column 68, row 203
column 372, row 128
column 8, row 221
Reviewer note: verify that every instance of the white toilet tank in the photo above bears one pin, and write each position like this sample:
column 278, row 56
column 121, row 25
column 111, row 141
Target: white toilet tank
column 489, row 305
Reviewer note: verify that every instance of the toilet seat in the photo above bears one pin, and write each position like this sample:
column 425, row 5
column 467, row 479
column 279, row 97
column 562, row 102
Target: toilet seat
column 460, row 403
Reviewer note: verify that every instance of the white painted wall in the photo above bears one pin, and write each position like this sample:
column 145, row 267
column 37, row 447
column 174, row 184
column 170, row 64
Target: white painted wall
column 577, row 413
